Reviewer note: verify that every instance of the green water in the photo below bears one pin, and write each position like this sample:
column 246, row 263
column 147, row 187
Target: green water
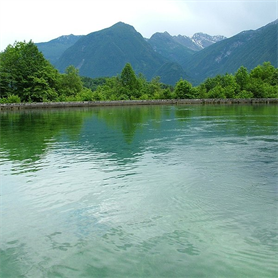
column 152, row 191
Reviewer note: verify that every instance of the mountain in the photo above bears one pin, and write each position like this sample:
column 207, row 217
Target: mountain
column 248, row 49
column 168, row 47
column 179, row 49
column 198, row 41
column 204, row 40
column 105, row 53
column 187, row 42
column 176, row 47
column 53, row 49
column 171, row 71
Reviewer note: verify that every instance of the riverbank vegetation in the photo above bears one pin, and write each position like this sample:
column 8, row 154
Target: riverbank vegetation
column 26, row 76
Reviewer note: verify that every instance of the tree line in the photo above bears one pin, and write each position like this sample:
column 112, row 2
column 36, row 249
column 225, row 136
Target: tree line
column 26, row 76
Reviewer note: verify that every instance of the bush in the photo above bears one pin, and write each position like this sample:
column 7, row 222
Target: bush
column 85, row 95
column 217, row 92
column 183, row 89
column 11, row 99
column 244, row 94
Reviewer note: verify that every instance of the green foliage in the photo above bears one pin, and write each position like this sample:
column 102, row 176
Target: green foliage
column 70, row 82
column 183, row 90
column 261, row 82
column 244, row 94
column 242, row 78
column 25, row 72
column 217, row 92
column 128, row 79
column 93, row 83
column 25, row 76
column 11, row 99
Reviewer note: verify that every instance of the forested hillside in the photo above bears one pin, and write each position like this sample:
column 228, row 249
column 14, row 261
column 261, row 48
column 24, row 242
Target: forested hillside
column 26, row 76
column 104, row 53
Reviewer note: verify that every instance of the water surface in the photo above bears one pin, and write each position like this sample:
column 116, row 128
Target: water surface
column 151, row 191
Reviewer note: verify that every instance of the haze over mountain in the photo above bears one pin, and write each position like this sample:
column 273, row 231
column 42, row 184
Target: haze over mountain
column 104, row 53
column 53, row 49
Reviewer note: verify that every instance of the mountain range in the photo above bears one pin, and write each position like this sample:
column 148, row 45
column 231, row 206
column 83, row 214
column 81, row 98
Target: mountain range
column 53, row 49
column 104, row 53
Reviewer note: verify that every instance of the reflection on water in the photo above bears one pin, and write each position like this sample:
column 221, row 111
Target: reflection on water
column 152, row 191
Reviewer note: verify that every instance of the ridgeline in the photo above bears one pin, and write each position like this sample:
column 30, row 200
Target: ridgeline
column 26, row 76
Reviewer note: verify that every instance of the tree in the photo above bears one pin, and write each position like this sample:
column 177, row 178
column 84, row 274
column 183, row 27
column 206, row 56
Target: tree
column 228, row 83
column 183, row 89
column 129, row 79
column 263, row 81
column 274, row 79
column 7, row 80
column 70, row 82
column 26, row 73
column 242, row 78
column 210, row 82
column 217, row 92
column 264, row 72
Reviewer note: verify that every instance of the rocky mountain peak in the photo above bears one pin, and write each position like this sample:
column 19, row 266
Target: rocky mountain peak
column 204, row 40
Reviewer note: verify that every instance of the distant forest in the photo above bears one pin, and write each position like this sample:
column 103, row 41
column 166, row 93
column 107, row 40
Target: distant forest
column 26, row 76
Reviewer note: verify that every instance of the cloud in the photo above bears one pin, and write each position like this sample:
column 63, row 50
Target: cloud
column 43, row 20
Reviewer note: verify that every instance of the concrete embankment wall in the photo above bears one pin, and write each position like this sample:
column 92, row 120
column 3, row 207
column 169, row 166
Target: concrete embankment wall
column 35, row 105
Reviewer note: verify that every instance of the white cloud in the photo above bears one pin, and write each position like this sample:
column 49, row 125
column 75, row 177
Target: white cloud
column 42, row 20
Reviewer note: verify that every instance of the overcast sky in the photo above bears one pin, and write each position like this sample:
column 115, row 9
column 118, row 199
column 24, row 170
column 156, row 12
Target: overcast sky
column 43, row 20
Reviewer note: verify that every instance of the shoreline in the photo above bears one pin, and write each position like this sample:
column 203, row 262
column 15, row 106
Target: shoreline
column 45, row 105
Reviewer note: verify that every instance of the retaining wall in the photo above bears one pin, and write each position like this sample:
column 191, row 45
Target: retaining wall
column 34, row 105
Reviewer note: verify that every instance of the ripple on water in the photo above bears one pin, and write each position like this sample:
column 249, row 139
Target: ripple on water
column 190, row 194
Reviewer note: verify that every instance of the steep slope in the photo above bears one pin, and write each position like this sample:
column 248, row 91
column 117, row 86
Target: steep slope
column 53, row 49
column 105, row 53
column 171, row 73
column 198, row 41
column 180, row 49
column 187, row 42
column 248, row 49
column 164, row 44
column 204, row 40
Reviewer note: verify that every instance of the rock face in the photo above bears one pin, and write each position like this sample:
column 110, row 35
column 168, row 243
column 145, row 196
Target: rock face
column 203, row 40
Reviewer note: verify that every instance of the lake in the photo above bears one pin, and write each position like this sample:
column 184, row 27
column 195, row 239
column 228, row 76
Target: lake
column 141, row 191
